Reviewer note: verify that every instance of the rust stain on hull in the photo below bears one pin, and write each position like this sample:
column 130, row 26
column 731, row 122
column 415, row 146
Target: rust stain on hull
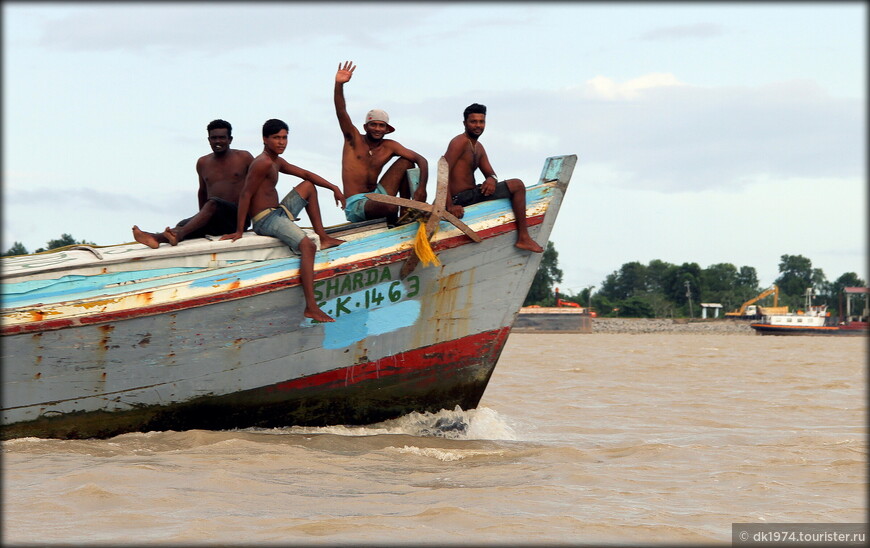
column 422, row 381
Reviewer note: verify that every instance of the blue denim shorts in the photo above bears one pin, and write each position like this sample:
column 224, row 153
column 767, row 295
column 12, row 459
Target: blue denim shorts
column 355, row 206
column 279, row 225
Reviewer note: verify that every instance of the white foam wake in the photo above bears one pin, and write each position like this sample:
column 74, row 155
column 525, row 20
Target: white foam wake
column 473, row 424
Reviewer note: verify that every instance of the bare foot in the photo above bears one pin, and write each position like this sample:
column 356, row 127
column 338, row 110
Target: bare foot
column 145, row 238
column 317, row 315
column 529, row 244
column 170, row 236
column 328, row 241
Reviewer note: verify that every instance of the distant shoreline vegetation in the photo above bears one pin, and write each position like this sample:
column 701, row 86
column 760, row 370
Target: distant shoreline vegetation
column 64, row 240
column 658, row 289
column 663, row 290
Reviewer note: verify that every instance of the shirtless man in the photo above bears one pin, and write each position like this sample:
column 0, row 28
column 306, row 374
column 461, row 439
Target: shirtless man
column 364, row 156
column 465, row 155
column 221, row 176
column 270, row 217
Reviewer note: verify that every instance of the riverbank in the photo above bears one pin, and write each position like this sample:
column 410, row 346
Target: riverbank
column 666, row 325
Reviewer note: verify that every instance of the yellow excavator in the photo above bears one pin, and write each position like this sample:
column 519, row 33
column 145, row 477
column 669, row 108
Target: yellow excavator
column 747, row 309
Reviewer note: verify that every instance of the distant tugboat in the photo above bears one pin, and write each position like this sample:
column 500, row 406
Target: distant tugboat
column 816, row 320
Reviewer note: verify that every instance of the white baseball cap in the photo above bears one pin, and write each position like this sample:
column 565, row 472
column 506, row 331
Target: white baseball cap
column 378, row 115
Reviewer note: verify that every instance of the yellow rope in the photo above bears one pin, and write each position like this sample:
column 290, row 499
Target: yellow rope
column 422, row 247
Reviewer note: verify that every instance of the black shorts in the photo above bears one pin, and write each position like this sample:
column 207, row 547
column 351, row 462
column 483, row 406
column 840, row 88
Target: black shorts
column 475, row 196
column 223, row 221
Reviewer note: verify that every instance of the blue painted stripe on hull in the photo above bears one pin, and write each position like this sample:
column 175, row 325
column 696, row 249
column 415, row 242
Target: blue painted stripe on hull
column 43, row 292
column 81, row 287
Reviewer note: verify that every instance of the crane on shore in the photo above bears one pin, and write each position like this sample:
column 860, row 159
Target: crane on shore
column 748, row 310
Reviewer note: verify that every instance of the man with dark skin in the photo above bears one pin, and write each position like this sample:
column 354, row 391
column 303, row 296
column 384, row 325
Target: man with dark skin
column 364, row 155
column 221, row 176
column 464, row 156
column 270, row 217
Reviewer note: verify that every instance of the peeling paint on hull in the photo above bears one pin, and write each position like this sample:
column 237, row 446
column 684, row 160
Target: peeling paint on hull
column 427, row 379
column 209, row 335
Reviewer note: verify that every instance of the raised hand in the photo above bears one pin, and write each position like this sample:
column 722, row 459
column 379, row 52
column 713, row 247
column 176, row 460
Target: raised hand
column 344, row 72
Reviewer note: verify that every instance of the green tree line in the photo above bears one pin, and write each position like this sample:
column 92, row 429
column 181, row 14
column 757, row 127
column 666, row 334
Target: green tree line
column 660, row 289
column 64, row 240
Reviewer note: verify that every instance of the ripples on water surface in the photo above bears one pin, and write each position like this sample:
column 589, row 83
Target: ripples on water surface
column 578, row 439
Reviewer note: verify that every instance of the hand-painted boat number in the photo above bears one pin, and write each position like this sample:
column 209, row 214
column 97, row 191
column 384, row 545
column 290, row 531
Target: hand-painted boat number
column 365, row 304
column 372, row 298
column 373, row 278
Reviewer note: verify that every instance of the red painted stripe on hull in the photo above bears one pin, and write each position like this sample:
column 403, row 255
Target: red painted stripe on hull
column 439, row 376
column 405, row 362
column 50, row 325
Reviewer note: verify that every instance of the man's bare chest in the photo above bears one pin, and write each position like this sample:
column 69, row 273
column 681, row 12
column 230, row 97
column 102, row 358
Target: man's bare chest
column 224, row 175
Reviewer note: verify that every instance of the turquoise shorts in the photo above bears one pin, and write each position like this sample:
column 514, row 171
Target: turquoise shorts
column 355, row 206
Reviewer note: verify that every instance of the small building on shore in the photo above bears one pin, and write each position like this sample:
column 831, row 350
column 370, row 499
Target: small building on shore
column 714, row 306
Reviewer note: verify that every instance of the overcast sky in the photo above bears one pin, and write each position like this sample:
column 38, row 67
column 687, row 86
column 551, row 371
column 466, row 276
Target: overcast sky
column 708, row 133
